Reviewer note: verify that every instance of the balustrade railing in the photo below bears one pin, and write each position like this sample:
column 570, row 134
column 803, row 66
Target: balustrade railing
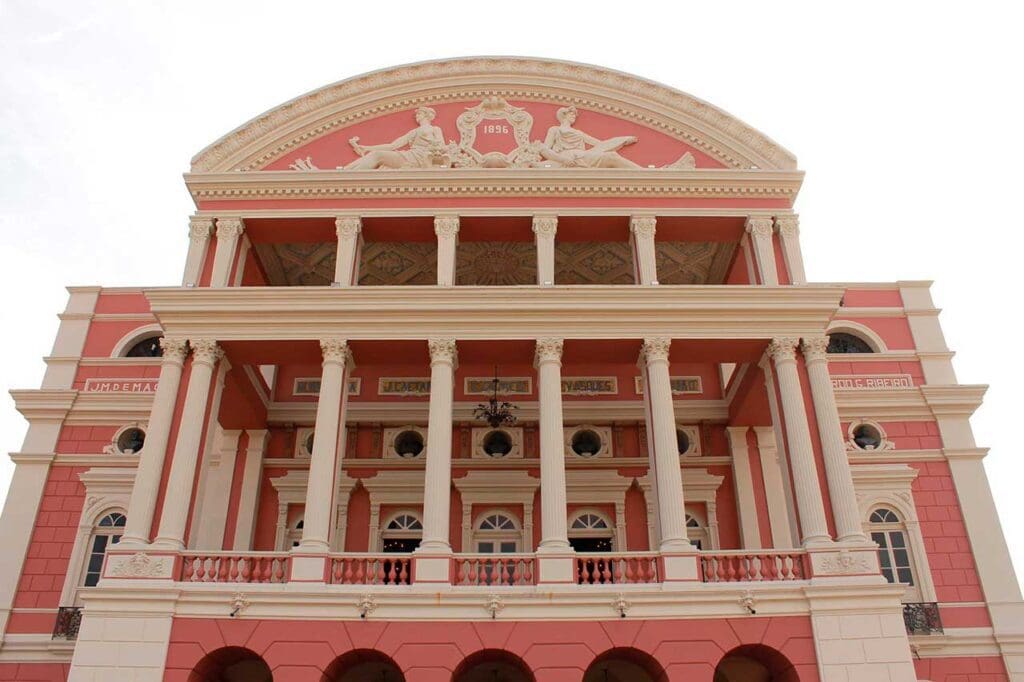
column 607, row 569
column 738, row 567
column 376, row 569
column 234, row 568
column 494, row 569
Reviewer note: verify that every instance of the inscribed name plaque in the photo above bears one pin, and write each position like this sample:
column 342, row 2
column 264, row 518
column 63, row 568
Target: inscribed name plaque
column 590, row 386
column 680, row 385
column 405, row 386
column 855, row 382
column 119, row 385
column 506, row 385
column 311, row 386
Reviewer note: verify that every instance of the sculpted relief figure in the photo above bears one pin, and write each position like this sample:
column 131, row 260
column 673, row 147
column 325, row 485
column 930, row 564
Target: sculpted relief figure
column 567, row 147
column 425, row 148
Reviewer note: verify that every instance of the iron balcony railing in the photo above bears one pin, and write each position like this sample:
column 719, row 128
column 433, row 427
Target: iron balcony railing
column 922, row 618
column 69, row 619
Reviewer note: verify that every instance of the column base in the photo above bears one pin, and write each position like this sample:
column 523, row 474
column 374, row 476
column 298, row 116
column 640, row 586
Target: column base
column 308, row 568
column 432, row 564
column 168, row 544
column 556, row 566
column 679, row 567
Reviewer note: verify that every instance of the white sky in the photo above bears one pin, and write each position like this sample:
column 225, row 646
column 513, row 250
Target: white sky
column 906, row 117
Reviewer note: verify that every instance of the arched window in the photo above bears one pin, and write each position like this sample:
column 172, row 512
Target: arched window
column 696, row 531
column 842, row 342
column 146, row 348
column 497, row 532
column 106, row 532
column 590, row 532
column 294, row 536
column 402, row 533
column 890, row 534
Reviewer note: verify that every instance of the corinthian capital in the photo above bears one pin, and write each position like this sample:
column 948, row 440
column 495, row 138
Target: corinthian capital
column 783, row 348
column 815, row 347
column 334, row 350
column 655, row 349
column 206, row 351
column 442, row 350
column 173, row 349
column 788, row 225
column 545, row 225
column 759, row 226
column 229, row 227
column 199, row 228
column 549, row 350
column 348, row 225
column 643, row 225
column 446, row 225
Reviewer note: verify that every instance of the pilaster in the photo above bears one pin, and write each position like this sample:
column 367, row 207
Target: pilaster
column 199, row 230
column 643, row 229
column 544, row 229
column 788, row 229
column 447, row 230
column 346, row 263
column 760, row 230
column 229, row 232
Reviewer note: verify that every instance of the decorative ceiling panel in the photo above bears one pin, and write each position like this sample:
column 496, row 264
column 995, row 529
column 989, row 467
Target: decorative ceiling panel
column 389, row 263
column 693, row 262
column 300, row 264
column 593, row 263
column 496, row 263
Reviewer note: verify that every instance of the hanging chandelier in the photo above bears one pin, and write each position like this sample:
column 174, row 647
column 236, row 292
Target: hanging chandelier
column 493, row 412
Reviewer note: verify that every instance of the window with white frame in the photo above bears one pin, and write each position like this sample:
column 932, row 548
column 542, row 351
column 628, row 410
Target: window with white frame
column 889, row 532
column 294, row 536
column 497, row 533
column 402, row 533
column 590, row 531
column 107, row 531
column 696, row 531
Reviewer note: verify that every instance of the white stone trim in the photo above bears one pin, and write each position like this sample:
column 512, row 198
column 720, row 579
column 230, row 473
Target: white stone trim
column 481, row 490
column 884, row 442
column 861, row 331
column 291, row 491
column 603, row 432
column 62, row 364
column 113, row 448
column 392, row 432
column 743, row 483
column 252, row 479
column 477, row 435
column 401, row 488
column 300, row 451
column 692, row 432
column 220, row 471
column 699, row 487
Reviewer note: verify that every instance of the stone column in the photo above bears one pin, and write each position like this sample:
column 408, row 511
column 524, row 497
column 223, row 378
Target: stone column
column 447, row 230
column 554, row 535
column 760, row 230
column 833, row 445
column 788, row 227
column 806, row 489
column 199, row 229
column 437, row 483
column 661, row 431
column 178, row 498
column 643, row 229
column 151, row 459
column 229, row 231
column 346, row 265
column 545, row 227
column 323, row 461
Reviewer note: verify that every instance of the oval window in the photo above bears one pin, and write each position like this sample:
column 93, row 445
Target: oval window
column 497, row 443
column 586, row 443
column 409, row 444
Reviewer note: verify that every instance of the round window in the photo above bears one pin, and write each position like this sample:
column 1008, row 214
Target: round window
column 682, row 441
column 308, row 443
column 497, row 443
column 409, row 444
column 131, row 441
column 867, row 437
column 586, row 443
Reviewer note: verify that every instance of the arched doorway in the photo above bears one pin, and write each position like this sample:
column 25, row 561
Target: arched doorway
column 363, row 665
column 492, row 665
column 231, row 664
column 625, row 665
column 755, row 663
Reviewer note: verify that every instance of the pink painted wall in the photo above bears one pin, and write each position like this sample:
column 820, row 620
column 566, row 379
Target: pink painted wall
column 961, row 669
column 34, row 672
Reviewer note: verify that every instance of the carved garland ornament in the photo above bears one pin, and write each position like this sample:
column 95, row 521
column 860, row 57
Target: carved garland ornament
column 140, row 565
column 844, row 562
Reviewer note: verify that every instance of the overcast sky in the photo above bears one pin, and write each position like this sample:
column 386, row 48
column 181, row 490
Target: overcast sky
column 906, row 117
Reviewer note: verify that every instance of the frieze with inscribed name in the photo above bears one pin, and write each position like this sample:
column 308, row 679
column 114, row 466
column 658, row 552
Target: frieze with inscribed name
column 590, row 386
column 680, row 385
column 119, row 385
column 506, row 385
column 311, row 386
column 855, row 382
column 403, row 386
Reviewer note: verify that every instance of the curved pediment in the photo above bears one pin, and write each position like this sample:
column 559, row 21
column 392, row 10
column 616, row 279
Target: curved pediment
column 493, row 112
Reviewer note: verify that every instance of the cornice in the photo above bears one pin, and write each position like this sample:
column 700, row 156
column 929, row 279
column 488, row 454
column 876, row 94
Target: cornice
column 923, row 402
column 959, row 400
column 43, row 404
column 587, row 312
column 313, row 115
column 449, row 183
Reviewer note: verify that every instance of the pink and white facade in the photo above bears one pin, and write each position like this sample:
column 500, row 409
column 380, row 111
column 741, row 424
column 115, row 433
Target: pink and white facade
column 718, row 471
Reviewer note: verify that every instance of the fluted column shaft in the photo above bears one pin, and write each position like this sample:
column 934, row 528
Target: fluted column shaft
column 447, row 230
column 346, row 267
column 833, row 446
column 788, row 227
column 178, row 498
column 643, row 229
column 806, row 489
column 760, row 230
column 437, row 496
column 229, row 231
column 544, row 228
column 662, row 431
column 199, row 230
column 142, row 504
column 323, row 461
column 554, row 533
